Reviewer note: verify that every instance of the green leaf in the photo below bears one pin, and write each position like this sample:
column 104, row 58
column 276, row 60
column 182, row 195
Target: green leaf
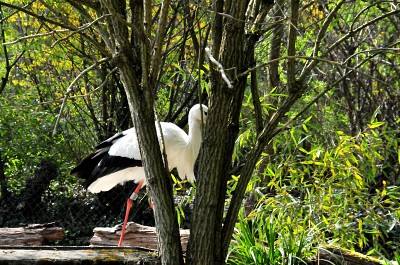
column 376, row 124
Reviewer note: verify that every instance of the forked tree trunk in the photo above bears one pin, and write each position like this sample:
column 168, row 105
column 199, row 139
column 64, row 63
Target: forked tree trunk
column 140, row 94
column 233, row 48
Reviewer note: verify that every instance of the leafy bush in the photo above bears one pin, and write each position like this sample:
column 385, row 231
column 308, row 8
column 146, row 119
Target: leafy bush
column 269, row 238
column 339, row 192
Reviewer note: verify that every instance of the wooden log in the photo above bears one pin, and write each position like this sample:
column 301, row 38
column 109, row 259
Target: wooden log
column 135, row 235
column 336, row 255
column 31, row 235
column 76, row 255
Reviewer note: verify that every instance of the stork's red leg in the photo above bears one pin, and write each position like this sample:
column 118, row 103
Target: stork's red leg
column 128, row 208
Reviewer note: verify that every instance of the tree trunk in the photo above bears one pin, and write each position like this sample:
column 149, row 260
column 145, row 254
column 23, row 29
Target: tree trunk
column 140, row 93
column 5, row 194
column 233, row 47
column 205, row 244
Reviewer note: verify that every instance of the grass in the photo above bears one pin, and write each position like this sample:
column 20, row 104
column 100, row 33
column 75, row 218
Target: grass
column 261, row 239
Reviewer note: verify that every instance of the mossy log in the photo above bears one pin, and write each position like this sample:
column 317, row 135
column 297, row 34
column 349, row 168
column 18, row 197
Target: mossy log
column 336, row 255
column 76, row 256
column 30, row 235
column 135, row 235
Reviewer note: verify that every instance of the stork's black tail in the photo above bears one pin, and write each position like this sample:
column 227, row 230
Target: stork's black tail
column 88, row 165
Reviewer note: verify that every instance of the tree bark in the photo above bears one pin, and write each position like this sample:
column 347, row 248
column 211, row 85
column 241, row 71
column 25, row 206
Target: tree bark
column 291, row 46
column 141, row 103
column 275, row 50
column 221, row 131
column 233, row 47
column 5, row 194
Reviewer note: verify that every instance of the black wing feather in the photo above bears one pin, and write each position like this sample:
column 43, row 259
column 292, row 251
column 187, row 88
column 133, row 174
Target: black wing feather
column 109, row 142
column 101, row 163
column 85, row 168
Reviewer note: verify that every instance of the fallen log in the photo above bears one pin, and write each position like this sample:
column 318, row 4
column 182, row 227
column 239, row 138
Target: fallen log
column 49, row 255
column 336, row 255
column 136, row 235
column 30, row 235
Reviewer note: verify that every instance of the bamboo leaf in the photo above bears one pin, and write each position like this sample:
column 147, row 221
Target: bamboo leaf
column 376, row 124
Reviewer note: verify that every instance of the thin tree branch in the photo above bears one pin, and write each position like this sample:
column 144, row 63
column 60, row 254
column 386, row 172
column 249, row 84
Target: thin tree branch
column 341, row 64
column 8, row 66
column 256, row 102
column 220, row 67
column 321, row 34
column 353, row 69
column 157, row 49
column 54, row 22
column 79, row 30
column 35, row 36
column 351, row 33
column 146, row 25
column 39, row 17
column 245, row 73
column 245, row 174
column 69, row 90
column 291, row 46
column 376, row 51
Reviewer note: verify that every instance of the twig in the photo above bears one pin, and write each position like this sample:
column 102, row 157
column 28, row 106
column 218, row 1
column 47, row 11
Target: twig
column 37, row 16
column 59, row 100
column 220, row 67
column 69, row 90
column 340, row 64
column 287, row 58
column 278, row 130
column 35, row 36
column 291, row 45
column 87, row 25
column 160, row 35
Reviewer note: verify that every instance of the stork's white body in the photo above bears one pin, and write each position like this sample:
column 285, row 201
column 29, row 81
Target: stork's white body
column 118, row 159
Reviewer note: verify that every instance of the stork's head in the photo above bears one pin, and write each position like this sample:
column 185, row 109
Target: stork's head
column 195, row 113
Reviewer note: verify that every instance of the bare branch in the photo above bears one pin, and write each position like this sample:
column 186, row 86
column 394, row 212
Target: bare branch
column 321, row 34
column 69, row 90
column 220, row 67
column 278, row 130
column 286, row 58
column 79, row 30
column 318, row 59
column 35, row 36
column 145, row 23
column 157, row 49
column 39, row 17
column 55, row 23
column 351, row 33
column 291, row 46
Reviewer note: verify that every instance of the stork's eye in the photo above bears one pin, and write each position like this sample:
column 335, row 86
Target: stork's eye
column 205, row 113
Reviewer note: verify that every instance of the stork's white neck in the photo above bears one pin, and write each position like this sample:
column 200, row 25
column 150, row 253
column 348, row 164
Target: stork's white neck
column 194, row 137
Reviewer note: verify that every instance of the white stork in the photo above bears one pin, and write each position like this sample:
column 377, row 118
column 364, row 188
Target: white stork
column 117, row 159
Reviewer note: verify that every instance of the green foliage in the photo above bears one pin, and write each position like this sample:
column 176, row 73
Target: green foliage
column 338, row 192
column 397, row 257
column 329, row 177
column 268, row 238
column 26, row 139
